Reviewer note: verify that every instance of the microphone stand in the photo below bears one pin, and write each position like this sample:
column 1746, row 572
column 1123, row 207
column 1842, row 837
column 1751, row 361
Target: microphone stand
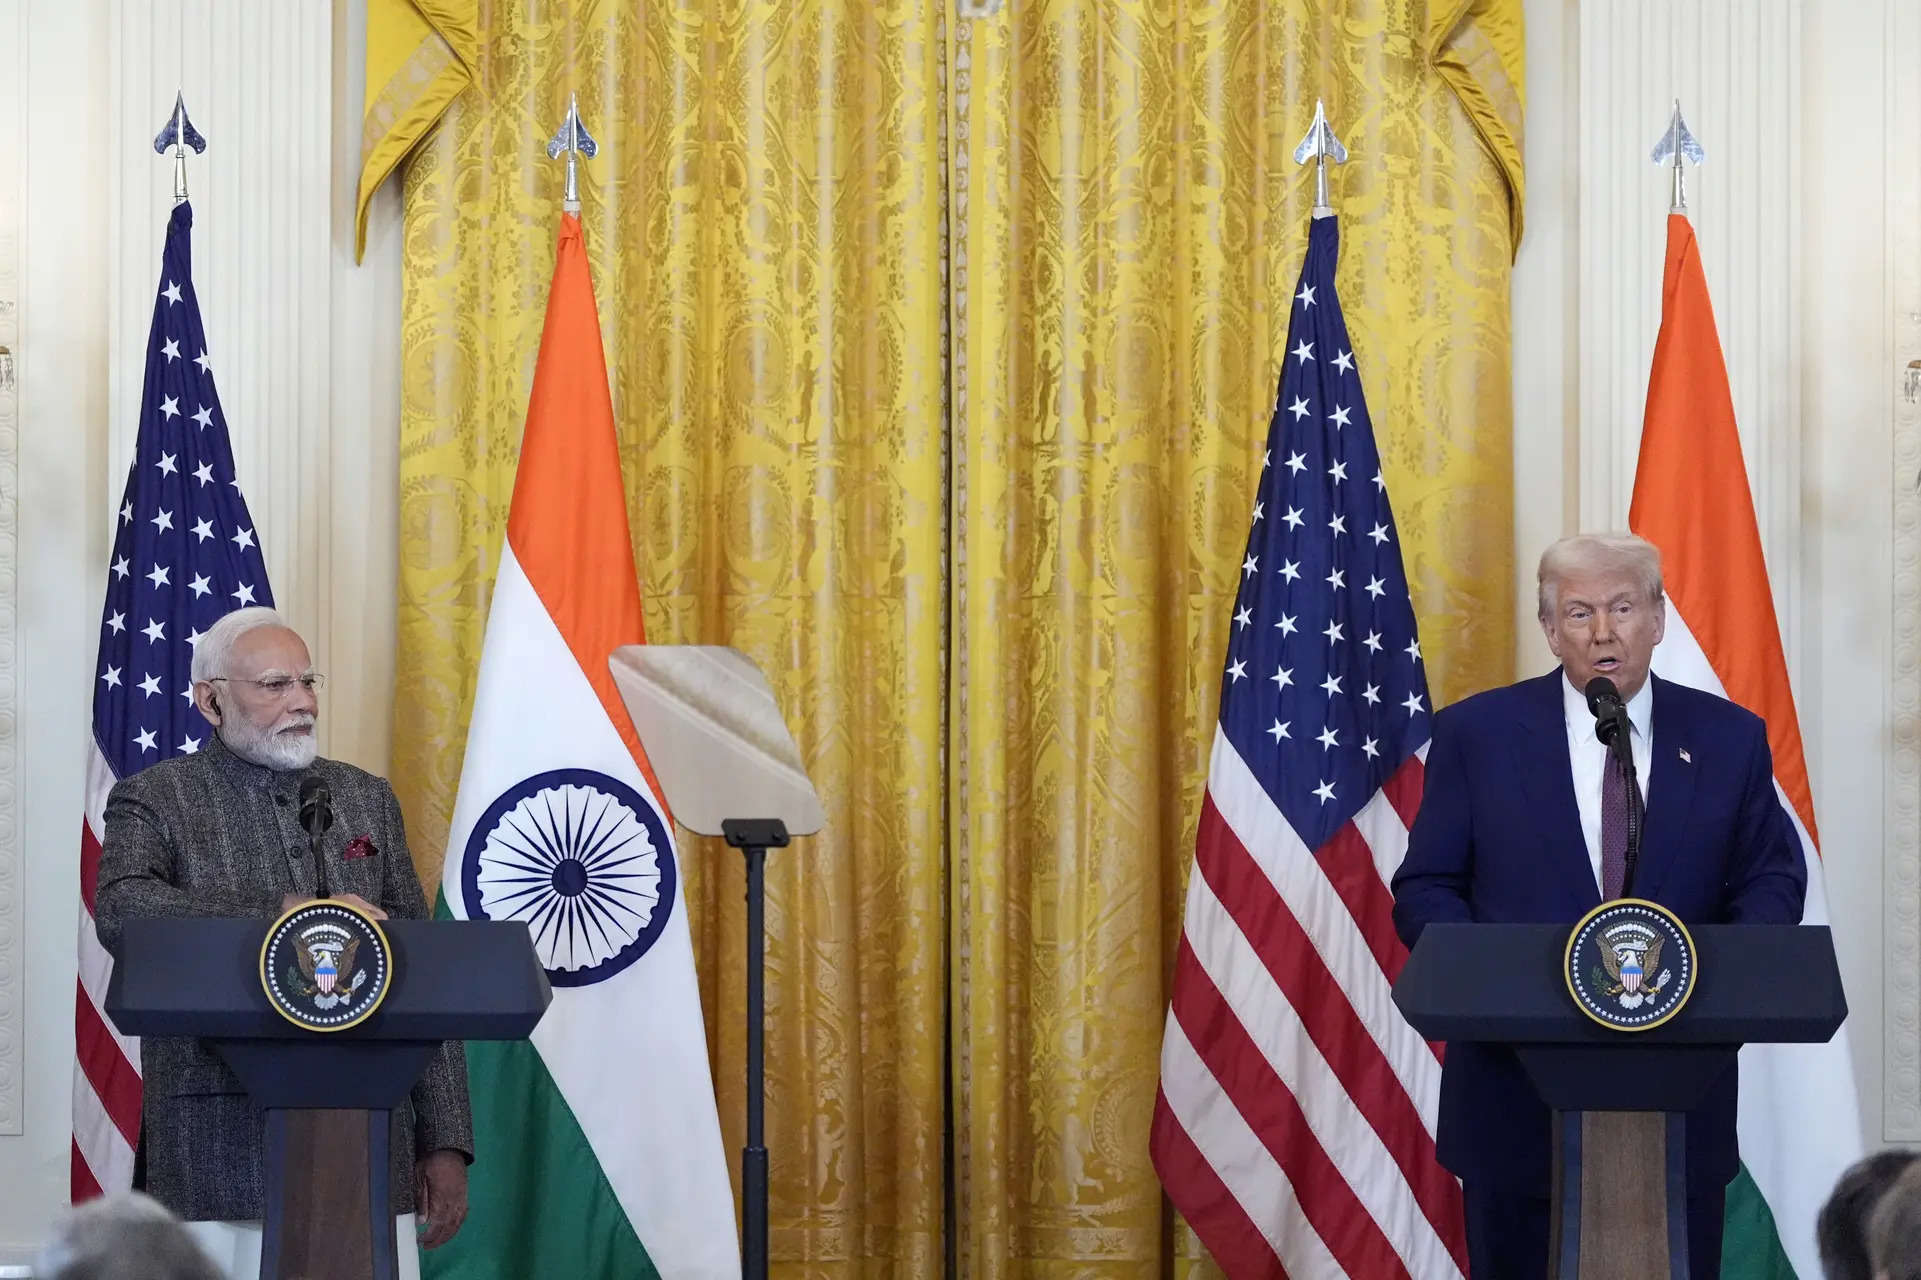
column 317, row 820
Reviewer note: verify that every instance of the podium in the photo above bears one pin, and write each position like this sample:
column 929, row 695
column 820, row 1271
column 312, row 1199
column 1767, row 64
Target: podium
column 327, row 1097
column 1619, row 1194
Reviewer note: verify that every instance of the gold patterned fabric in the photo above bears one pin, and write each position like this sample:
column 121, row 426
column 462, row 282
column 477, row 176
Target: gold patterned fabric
column 418, row 55
column 1131, row 223
column 764, row 226
column 943, row 353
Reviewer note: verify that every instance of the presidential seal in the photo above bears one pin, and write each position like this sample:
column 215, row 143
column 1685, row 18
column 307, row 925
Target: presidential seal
column 325, row 965
column 1630, row 964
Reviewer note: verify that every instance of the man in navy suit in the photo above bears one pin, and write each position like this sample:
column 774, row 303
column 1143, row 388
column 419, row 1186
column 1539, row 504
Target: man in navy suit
column 1523, row 820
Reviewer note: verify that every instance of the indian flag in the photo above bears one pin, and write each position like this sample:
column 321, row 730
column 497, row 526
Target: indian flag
column 1800, row 1122
column 597, row 1145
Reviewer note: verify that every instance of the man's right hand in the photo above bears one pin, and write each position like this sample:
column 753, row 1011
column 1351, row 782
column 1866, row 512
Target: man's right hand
column 289, row 901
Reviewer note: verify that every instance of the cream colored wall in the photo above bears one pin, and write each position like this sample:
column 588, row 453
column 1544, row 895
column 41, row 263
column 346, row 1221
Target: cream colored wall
column 306, row 352
column 1809, row 217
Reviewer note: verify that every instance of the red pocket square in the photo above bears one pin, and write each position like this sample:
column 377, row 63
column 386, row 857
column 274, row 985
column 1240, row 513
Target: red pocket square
column 360, row 847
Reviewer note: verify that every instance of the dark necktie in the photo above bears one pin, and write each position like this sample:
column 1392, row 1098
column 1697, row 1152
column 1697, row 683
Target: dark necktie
column 1614, row 827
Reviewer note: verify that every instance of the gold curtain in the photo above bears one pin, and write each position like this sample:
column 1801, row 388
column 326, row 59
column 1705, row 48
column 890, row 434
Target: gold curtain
column 1132, row 225
column 764, row 226
column 942, row 354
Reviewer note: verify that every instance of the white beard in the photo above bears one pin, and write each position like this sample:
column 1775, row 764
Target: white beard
column 267, row 746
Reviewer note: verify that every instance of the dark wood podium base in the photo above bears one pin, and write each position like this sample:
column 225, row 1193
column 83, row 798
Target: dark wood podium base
column 1619, row 1196
column 328, row 1214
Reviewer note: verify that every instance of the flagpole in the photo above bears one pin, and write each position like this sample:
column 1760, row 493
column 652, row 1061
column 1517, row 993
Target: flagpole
column 1676, row 145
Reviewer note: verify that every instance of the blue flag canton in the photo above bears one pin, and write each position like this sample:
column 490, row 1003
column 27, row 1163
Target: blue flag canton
column 1325, row 693
column 184, row 549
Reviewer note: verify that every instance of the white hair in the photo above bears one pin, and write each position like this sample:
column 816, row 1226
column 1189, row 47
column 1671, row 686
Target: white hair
column 127, row 1236
column 215, row 649
column 1588, row 553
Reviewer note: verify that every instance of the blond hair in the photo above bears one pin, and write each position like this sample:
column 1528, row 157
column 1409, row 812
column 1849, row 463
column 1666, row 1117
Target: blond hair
column 1587, row 553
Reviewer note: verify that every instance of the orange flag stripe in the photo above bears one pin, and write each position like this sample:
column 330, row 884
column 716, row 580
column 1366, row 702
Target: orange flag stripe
column 568, row 523
column 1691, row 499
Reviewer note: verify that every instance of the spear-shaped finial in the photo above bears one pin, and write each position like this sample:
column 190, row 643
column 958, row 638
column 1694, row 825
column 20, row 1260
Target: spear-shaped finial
column 1320, row 145
column 179, row 134
column 1677, row 144
column 573, row 139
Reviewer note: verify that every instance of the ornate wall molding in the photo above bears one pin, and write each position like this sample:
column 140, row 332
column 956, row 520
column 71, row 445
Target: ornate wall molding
column 12, row 989
column 1901, row 828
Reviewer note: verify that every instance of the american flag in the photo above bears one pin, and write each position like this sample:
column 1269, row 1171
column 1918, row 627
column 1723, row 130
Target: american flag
column 184, row 552
column 1294, row 1125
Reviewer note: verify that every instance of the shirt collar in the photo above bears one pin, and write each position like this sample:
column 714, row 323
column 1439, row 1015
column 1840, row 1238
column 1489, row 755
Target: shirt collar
column 1640, row 706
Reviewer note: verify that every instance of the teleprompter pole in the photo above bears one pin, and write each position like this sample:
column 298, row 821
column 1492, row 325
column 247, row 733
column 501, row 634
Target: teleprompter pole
column 754, row 837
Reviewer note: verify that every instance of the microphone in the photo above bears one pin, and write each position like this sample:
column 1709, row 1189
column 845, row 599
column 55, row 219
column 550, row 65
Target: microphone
column 1610, row 713
column 1610, row 719
column 316, row 815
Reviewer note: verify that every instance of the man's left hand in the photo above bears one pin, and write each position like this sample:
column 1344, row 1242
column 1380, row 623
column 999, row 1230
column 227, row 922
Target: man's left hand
column 440, row 1196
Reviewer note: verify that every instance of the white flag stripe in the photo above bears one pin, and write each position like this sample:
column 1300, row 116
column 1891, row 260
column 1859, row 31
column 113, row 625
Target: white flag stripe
column 1349, row 1140
column 1794, row 1097
column 1310, row 898
column 107, row 1153
column 96, row 968
column 1386, row 836
column 99, row 785
column 1239, row 1159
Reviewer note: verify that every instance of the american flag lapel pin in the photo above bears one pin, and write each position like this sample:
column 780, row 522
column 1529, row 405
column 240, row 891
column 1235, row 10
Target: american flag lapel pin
column 1685, row 757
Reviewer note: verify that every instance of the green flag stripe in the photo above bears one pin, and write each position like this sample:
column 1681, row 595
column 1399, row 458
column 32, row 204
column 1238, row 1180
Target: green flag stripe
column 537, row 1201
column 1751, row 1247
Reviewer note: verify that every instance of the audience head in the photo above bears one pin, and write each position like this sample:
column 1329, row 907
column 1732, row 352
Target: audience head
column 1894, row 1228
column 1841, row 1230
column 122, row 1237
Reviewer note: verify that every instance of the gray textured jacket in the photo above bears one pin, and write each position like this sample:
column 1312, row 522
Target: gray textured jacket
column 212, row 835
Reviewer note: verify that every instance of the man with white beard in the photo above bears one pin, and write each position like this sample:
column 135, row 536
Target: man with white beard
column 217, row 833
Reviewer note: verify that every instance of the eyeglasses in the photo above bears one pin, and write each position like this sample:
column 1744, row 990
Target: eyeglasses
column 278, row 686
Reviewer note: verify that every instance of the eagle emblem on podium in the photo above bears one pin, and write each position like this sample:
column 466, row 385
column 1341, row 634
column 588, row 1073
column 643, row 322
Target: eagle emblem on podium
column 1630, row 954
column 324, row 955
column 1630, row 964
column 325, row 965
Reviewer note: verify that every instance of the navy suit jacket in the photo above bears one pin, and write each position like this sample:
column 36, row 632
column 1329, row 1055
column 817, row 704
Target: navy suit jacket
column 1498, row 838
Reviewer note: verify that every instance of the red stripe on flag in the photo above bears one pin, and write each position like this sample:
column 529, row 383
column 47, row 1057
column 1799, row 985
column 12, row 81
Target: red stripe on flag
column 1329, row 1020
column 1274, row 1114
column 1403, row 790
column 89, row 863
column 106, row 1067
column 1231, row 1237
column 83, row 1185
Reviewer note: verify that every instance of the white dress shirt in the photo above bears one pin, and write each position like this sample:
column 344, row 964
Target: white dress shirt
column 1587, row 756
